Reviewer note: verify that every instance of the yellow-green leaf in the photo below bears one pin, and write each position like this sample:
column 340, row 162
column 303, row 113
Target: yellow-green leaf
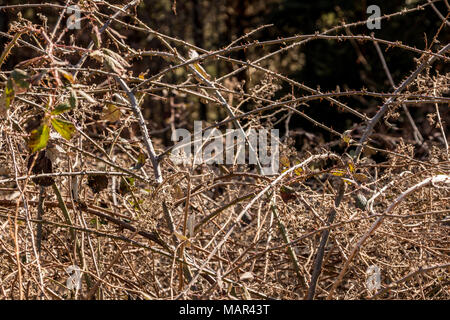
column 183, row 238
column 347, row 181
column 141, row 161
column 7, row 96
column 17, row 83
column 299, row 170
column 338, row 173
column 346, row 137
column 202, row 71
column 39, row 138
column 193, row 55
column 351, row 167
column 67, row 75
column 126, row 185
column 65, row 128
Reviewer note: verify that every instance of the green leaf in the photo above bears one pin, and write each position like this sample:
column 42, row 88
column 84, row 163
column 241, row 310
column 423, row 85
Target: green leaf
column 141, row 161
column 7, row 96
column 9, row 93
column 93, row 221
column 20, row 79
column 61, row 108
column 65, row 128
column 73, row 100
column 126, row 185
column 17, row 83
column 39, row 138
column 299, row 170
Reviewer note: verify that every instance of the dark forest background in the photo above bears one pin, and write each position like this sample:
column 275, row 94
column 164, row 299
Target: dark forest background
column 215, row 24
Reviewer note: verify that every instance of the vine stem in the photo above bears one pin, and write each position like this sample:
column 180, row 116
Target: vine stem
column 147, row 141
column 432, row 180
column 247, row 207
column 371, row 124
column 417, row 134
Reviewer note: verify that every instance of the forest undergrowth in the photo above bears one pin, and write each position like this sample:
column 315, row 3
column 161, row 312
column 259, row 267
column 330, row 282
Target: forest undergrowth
column 89, row 189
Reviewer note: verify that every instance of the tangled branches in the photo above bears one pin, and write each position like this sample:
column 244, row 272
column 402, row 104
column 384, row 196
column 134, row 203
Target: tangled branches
column 89, row 179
